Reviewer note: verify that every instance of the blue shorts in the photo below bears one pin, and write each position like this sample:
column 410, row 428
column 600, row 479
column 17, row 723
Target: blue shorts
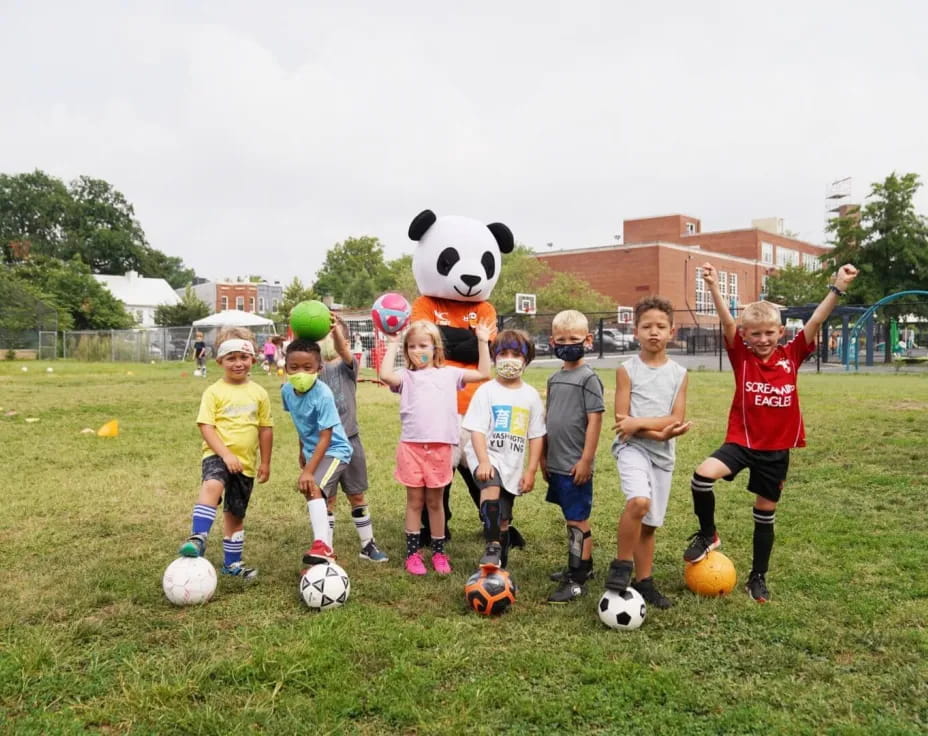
column 575, row 501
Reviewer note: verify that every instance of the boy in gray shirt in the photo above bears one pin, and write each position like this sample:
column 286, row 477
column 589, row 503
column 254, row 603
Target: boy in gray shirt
column 574, row 419
column 340, row 373
column 650, row 407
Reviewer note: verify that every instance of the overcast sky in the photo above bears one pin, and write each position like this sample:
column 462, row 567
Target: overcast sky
column 250, row 137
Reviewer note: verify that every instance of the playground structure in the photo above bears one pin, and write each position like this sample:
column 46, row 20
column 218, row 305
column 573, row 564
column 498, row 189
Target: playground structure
column 865, row 324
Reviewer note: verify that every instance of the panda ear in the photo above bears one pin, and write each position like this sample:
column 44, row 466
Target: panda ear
column 503, row 237
column 420, row 224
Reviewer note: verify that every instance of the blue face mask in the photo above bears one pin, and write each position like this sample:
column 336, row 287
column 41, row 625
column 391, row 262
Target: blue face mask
column 569, row 353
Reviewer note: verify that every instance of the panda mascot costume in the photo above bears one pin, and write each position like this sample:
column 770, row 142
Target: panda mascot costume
column 456, row 264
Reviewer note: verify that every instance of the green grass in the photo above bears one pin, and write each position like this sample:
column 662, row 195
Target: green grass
column 89, row 644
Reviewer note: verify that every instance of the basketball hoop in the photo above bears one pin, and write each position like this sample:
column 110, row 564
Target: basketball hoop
column 525, row 304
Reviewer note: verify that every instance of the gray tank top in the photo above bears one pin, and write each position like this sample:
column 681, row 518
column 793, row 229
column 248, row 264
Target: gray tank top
column 653, row 392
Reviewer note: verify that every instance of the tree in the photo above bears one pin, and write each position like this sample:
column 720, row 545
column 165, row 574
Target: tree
column 293, row 294
column 345, row 262
column 401, row 279
column 34, row 209
column 569, row 291
column 186, row 312
column 887, row 241
column 520, row 273
column 795, row 285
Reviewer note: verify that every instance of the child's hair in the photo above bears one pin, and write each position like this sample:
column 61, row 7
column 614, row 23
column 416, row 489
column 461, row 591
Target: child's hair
column 235, row 333
column 570, row 319
column 302, row 345
column 514, row 340
column 653, row 302
column 430, row 329
column 760, row 313
column 199, row 336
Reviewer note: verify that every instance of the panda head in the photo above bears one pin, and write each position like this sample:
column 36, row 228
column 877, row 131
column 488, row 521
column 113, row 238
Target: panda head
column 457, row 258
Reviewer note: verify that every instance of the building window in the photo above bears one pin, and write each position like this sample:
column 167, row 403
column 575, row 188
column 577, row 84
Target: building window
column 261, row 304
column 787, row 257
column 691, row 228
column 810, row 262
column 733, row 290
column 240, row 303
column 274, row 305
column 224, row 302
column 766, row 253
column 763, row 287
column 251, row 304
column 704, row 303
column 723, row 283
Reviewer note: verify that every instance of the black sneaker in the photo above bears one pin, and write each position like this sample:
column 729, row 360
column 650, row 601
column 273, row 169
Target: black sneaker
column 699, row 546
column 491, row 557
column 567, row 591
column 619, row 576
column 757, row 587
column 652, row 596
column 559, row 576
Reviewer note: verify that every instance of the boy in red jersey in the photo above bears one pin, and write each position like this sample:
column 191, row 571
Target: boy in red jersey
column 764, row 422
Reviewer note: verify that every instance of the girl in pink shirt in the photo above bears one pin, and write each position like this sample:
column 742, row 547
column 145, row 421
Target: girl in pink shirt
column 429, row 418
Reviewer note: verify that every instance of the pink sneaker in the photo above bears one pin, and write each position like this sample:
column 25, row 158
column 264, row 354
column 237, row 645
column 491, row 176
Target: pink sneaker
column 441, row 563
column 415, row 565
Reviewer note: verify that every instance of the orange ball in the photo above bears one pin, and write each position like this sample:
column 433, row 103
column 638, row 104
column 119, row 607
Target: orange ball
column 714, row 575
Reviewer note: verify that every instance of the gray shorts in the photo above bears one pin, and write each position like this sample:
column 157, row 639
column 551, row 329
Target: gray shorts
column 641, row 478
column 506, row 499
column 354, row 478
column 236, row 487
column 327, row 475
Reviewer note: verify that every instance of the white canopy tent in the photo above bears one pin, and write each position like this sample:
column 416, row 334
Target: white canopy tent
column 232, row 318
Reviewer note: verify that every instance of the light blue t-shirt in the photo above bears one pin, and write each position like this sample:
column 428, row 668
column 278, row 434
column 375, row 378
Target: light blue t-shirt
column 311, row 413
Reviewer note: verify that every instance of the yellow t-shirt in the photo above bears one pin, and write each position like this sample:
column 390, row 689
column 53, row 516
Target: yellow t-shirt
column 236, row 410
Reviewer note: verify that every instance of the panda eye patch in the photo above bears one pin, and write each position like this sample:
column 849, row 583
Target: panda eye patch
column 489, row 264
column 446, row 260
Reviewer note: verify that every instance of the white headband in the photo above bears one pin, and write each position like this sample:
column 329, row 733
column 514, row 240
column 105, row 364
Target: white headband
column 235, row 346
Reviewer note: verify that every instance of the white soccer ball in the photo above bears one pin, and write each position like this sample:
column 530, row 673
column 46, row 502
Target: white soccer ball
column 325, row 586
column 624, row 611
column 49, row 370
column 189, row 580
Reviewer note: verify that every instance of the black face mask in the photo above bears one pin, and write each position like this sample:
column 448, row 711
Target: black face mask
column 569, row 353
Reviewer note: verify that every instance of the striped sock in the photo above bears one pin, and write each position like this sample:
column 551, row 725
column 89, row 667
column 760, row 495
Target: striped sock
column 203, row 518
column 763, row 538
column 364, row 525
column 704, row 503
column 331, row 528
column 232, row 548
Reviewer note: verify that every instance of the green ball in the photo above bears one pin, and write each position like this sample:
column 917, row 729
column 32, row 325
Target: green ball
column 310, row 320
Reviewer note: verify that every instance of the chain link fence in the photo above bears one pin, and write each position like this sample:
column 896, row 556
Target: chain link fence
column 28, row 325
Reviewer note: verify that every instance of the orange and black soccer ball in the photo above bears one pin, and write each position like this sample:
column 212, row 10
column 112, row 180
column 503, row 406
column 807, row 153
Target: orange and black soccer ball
column 490, row 593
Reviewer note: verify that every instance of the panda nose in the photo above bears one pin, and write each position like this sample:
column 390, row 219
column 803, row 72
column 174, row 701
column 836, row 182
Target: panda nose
column 470, row 280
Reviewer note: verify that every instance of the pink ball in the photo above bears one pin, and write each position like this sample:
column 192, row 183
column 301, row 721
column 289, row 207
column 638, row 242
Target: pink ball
column 390, row 313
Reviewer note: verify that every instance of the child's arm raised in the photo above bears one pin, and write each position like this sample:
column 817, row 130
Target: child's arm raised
column 388, row 373
column 483, row 332
column 843, row 278
column 215, row 443
column 339, row 341
column 729, row 326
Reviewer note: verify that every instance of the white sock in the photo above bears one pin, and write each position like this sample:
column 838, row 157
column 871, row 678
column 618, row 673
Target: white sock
column 362, row 522
column 331, row 528
column 318, row 519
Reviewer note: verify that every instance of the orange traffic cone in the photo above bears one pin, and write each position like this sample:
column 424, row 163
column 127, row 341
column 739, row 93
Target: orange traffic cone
column 110, row 429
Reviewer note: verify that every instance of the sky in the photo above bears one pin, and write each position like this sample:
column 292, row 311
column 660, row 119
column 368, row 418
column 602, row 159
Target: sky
column 251, row 137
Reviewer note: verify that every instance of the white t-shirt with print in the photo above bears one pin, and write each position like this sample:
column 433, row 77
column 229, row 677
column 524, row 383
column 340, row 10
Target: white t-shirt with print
column 509, row 417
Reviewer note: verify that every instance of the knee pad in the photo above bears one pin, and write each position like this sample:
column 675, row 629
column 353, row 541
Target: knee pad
column 238, row 536
column 575, row 539
column 489, row 510
column 359, row 511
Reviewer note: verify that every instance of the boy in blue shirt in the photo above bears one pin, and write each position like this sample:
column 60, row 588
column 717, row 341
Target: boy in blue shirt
column 324, row 448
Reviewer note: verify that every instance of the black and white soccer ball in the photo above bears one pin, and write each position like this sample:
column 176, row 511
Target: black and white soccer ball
column 624, row 611
column 325, row 586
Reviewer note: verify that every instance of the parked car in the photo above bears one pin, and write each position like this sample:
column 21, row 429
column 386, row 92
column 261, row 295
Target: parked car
column 542, row 346
column 615, row 341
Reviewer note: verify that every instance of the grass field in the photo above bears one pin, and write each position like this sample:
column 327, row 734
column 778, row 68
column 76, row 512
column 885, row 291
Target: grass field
column 90, row 645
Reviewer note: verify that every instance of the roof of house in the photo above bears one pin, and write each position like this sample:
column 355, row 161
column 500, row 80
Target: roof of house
column 138, row 291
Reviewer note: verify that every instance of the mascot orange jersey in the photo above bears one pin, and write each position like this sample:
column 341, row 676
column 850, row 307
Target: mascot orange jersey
column 449, row 313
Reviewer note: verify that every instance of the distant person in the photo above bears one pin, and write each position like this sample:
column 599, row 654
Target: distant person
column 270, row 355
column 650, row 408
column 235, row 422
column 199, row 355
column 764, row 422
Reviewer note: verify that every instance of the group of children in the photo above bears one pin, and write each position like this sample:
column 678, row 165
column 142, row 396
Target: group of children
column 511, row 434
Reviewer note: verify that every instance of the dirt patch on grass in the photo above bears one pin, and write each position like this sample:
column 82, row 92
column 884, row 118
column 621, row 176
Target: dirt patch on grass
column 908, row 405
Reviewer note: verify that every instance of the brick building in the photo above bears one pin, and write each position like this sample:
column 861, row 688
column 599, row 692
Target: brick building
column 663, row 255
column 248, row 296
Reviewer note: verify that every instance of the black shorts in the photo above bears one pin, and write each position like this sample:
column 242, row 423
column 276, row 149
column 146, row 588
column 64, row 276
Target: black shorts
column 236, row 487
column 768, row 468
column 506, row 499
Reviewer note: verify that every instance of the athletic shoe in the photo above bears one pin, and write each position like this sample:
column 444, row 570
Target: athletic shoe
column 699, row 546
column 757, row 587
column 441, row 564
column 567, row 591
column 652, row 596
column 619, row 576
column 415, row 565
column 559, row 576
column 372, row 552
column 237, row 569
column 195, row 546
column 319, row 553
column 491, row 557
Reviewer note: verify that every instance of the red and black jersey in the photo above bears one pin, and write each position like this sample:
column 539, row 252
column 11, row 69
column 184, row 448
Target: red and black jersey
column 765, row 411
